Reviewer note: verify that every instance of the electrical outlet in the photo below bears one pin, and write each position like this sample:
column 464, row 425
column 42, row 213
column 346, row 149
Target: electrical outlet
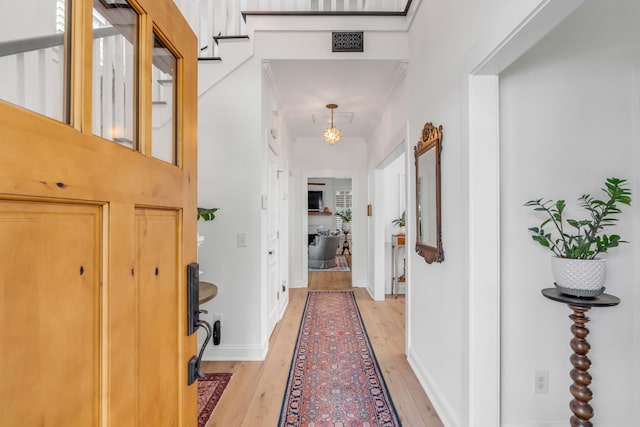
column 217, row 317
column 541, row 382
column 242, row 239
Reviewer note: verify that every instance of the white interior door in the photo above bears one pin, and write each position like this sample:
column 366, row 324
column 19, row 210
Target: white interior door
column 273, row 239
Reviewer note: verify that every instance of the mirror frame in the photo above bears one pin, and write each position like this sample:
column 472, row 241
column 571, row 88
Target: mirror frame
column 431, row 138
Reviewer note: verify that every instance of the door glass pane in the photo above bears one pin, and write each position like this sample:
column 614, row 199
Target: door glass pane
column 163, row 109
column 34, row 56
column 115, row 32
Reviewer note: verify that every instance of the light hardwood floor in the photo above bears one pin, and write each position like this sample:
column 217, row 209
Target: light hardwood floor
column 330, row 280
column 253, row 398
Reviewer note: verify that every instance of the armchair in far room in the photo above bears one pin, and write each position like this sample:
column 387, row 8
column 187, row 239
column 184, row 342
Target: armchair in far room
column 322, row 252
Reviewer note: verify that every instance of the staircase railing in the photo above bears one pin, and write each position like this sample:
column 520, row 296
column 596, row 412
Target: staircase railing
column 212, row 18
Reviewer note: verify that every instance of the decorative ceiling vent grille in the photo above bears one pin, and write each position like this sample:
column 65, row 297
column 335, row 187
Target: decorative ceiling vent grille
column 349, row 41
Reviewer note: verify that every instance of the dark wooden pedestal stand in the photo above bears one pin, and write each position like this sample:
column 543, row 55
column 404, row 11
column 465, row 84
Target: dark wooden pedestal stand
column 582, row 410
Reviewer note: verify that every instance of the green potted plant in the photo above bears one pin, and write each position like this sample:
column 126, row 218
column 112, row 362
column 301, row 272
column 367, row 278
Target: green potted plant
column 345, row 214
column 205, row 214
column 400, row 222
column 576, row 244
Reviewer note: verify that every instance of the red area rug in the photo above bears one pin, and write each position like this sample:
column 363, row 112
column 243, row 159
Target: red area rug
column 335, row 379
column 210, row 390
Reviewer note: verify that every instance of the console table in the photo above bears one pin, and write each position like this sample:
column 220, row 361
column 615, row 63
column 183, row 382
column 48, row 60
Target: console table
column 206, row 292
column 582, row 410
column 397, row 241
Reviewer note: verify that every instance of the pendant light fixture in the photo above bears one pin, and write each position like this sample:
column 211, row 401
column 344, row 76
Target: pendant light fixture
column 332, row 135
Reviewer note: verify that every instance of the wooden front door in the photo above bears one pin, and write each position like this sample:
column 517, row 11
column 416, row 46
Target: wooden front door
column 96, row 229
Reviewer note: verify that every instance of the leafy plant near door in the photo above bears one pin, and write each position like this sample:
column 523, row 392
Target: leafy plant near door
column 578, row 240
column 207, row 214
column 400, row 220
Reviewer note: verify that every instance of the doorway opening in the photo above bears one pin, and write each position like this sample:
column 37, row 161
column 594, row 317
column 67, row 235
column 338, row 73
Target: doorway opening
column 329, row 232
column 389, row 261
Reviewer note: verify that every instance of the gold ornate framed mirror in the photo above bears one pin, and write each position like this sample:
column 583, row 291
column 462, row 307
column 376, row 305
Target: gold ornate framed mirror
column 428, row 209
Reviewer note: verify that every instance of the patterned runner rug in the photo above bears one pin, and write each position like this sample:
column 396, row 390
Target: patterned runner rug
column 210, row 390
column 334, row 378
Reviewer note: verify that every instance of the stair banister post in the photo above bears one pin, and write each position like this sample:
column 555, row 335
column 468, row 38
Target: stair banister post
column 223, row 18
column 234, row 17
column 209, row 27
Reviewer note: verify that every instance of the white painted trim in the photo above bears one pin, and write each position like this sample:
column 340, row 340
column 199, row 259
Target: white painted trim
column 635, row 135
column 235, row 352
column 484, row 251
column 540, row 424
column 563, row 423
column 377, row 239
column 399, row 141
column 211, row 73
column 284, row 306
column 398, row 78
column 370, row 294
column 543, row 19
column 444, row 410
column 410, row 179
column 265, row 311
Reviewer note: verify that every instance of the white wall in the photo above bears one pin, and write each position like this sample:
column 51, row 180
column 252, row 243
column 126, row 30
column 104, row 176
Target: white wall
column 388, row 142
column 235, row 140
column 569, row 119
column 230, row 168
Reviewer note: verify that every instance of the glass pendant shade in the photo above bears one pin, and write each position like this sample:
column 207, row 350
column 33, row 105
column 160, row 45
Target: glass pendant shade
column 332, row 135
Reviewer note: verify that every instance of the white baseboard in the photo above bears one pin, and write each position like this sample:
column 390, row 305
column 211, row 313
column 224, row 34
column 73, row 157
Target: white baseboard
column 235, row 352
column 370, row 291
column 537, row 423
column 284, row 307
column 299, row 284
column 448, row 417
column 530, row 423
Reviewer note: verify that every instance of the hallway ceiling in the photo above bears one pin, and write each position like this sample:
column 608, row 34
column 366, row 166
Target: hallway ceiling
column 359, row 87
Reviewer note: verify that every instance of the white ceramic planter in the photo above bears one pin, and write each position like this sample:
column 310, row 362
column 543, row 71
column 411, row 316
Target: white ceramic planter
column 579, row 277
